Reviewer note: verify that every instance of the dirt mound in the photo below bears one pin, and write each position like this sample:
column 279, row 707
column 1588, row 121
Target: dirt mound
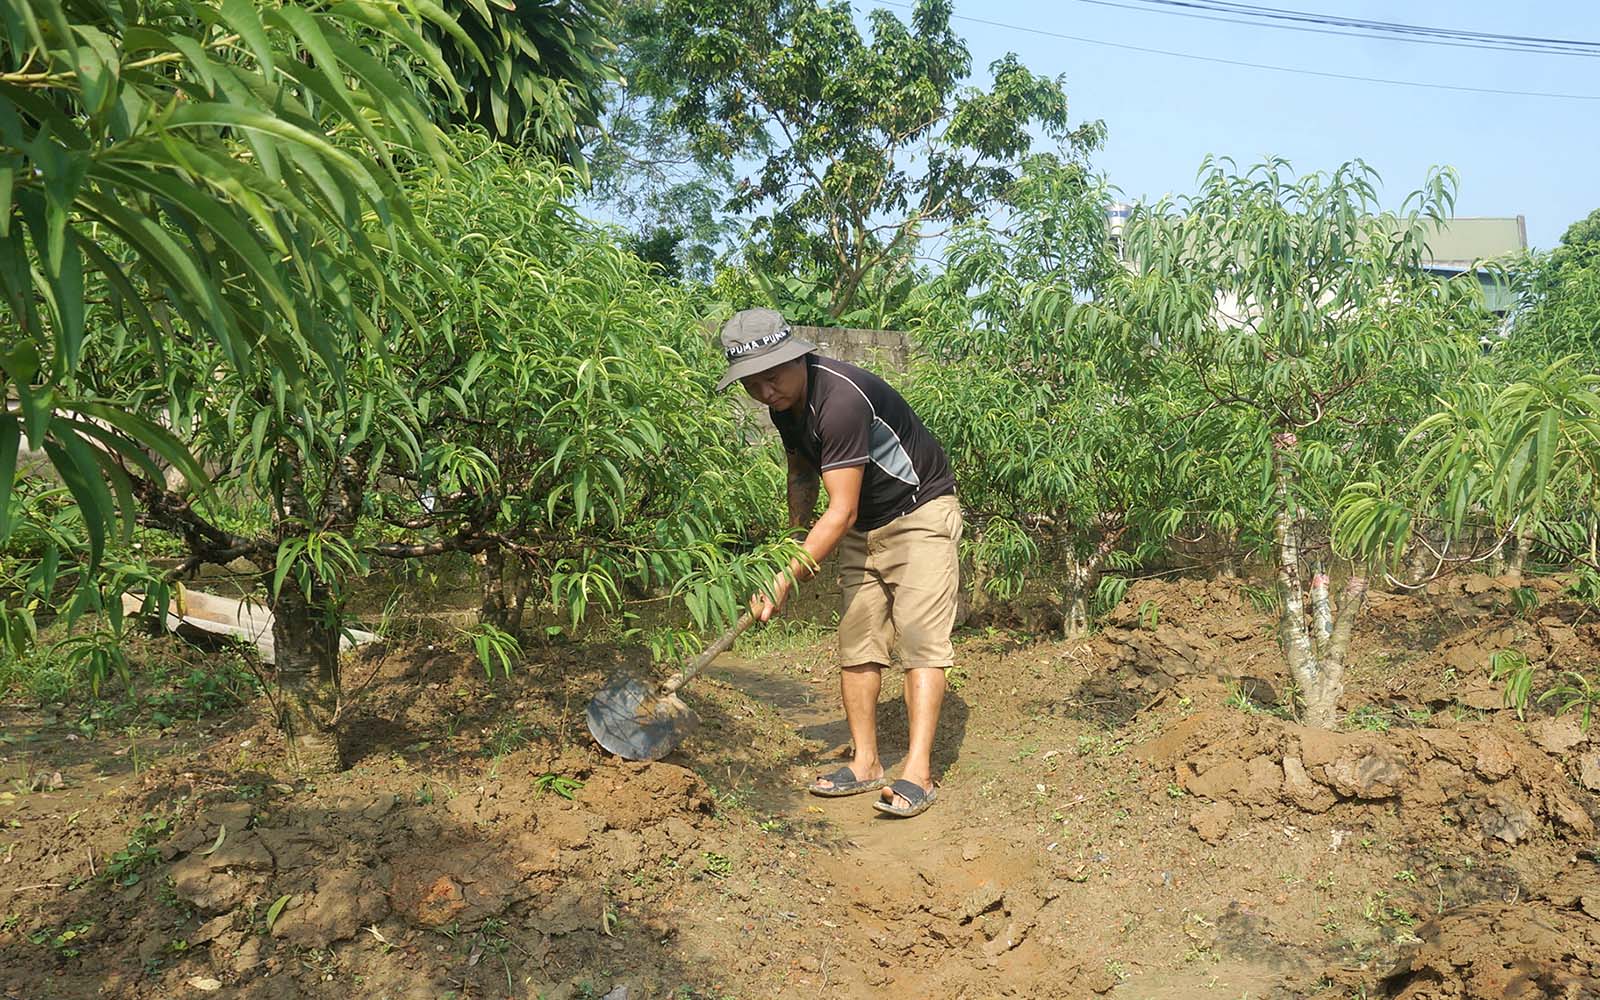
column 1166, row 631
column 382, row 857
column 1488, row 780
column 1544, row 947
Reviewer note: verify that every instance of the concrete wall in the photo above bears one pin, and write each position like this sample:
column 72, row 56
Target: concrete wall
column 883, row 352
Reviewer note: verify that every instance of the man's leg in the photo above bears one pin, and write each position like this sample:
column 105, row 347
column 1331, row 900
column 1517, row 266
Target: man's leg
column 860, row 685
column 924, row 696
column 921, row 565
column 864, row 632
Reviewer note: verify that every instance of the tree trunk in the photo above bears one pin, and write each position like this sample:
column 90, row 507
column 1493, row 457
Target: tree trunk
column 1075, row 597
column 306, row 653
column 1418, row 564
column 306, row 621
column 1083, row 575
column 1521, row 544
column 1293, row 629
column 521, row 585
column 978, row 603
column 1229, row 566
column 1316, row 638
column 1321, row 610
column 492, row 574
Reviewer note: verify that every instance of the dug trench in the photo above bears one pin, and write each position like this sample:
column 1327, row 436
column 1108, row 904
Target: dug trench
column 1134, row 815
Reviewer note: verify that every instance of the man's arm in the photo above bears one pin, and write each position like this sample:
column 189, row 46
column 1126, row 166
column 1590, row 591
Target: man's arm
column 844, row 501
column 804, row 480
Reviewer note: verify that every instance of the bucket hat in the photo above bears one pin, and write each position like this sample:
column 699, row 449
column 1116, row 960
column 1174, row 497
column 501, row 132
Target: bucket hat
column 755, row 340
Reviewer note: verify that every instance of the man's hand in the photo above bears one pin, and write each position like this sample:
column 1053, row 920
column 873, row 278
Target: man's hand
column 764, row 607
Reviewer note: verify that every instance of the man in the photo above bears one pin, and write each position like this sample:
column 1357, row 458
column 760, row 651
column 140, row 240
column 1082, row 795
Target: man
column 893, row 517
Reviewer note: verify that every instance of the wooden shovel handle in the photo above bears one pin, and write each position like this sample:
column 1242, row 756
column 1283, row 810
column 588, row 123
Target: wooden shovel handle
column 712, row 651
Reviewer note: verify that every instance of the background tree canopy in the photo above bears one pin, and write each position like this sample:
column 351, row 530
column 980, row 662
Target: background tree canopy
column 862, row 146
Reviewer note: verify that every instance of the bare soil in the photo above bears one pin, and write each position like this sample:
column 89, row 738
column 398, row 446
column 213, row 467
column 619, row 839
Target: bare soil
column 1134, row 815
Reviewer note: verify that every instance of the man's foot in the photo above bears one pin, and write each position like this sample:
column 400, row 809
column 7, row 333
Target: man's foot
column 850, row 780
column 907, row 798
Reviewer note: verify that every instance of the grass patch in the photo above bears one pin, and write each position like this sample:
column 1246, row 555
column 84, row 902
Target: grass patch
column 781, row 636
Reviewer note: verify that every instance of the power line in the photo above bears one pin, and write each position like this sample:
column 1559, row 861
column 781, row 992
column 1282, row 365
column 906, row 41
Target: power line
column 1252, row 65
column 1279, row 13
column 1267, row 17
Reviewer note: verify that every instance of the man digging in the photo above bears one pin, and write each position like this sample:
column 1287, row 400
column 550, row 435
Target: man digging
column 892, row 515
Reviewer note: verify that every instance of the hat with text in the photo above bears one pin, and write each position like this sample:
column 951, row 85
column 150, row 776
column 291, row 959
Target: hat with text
column 755, row 340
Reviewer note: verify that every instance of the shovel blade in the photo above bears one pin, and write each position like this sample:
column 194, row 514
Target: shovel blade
column 631, row 720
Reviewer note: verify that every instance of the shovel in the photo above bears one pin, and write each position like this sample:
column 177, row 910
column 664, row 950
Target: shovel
column 636, row 721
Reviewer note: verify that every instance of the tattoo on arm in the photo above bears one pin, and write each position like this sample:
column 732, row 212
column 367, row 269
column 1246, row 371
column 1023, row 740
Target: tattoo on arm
column 804, row 483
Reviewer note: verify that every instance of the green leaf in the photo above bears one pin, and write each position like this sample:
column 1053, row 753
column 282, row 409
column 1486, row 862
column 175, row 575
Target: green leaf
column 8, row 175
column 275, row 910
column 241, row 17
column 81, row 473
column 10, row 444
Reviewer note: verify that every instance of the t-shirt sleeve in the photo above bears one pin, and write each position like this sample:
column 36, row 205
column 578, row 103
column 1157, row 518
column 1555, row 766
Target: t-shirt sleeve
column 845, row 428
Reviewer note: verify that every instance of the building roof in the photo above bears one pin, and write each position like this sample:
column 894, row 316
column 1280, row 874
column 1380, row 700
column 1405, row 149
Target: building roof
column 1457, row 243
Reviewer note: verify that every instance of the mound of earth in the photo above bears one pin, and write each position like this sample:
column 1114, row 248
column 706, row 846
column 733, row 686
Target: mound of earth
column 1544, row 948
column 1494, row 783
column 382, row 857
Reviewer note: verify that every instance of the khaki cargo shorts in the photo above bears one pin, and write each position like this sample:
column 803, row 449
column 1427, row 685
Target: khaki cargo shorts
column 901, row 580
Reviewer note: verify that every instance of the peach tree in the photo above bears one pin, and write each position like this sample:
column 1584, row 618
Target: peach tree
column 1290, row 320
column 1056, row 485
column 544, row 410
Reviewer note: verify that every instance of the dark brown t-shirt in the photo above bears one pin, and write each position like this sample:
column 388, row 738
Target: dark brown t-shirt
column 853, row 417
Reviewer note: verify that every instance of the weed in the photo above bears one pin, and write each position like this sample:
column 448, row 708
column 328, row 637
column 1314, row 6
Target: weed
column 1025, row 751
column 494, row 647
column 1586, row 586
column 168, row 896
column 781, row 636
column 1576, row 691
column 1149, row 615
column 558, row 784
column 730, row 799
column 1199, row 953
column 1266, row 600
column 1240, row 699
column 64, row 941
column 127, row 865
column 509, row 736
column 715, row 865
column 1525, row 601
column 1406, row 875
column 1117, row 970
column 1511, row 667
column 1378, row 910
column 1370, row 718
column 956, row 678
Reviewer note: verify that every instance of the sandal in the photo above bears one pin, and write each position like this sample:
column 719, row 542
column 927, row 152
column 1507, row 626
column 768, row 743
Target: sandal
column 919, row 799
column 845, row 782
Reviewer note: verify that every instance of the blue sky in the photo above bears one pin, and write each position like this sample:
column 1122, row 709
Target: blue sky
column 1530, row 156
